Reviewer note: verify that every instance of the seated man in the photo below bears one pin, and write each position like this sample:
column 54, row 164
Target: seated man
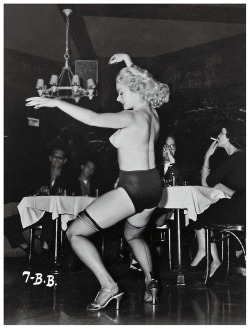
column 171, row 174
column 169, row 166
column 52, row 182
column 87, row 185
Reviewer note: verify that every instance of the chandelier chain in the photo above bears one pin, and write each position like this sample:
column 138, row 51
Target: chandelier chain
column 66, row 56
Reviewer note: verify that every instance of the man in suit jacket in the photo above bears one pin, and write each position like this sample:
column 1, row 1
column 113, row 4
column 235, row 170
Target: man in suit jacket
column 87, row 186
column 169, row 165
column 54, row 181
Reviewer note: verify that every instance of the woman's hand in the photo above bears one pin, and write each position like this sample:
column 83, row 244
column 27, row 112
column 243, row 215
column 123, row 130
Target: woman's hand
column 228, row 191
column 116, row 58
column 218, row 186
column 211, row 149
column 38, row 102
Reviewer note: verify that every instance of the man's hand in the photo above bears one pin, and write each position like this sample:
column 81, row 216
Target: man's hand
column 43, row 190
column 167, row 155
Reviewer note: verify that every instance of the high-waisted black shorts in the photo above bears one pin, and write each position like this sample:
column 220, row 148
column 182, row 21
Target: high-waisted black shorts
column 144, row 187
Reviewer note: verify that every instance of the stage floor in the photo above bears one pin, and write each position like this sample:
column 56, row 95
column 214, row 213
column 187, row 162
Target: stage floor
column 62, row 299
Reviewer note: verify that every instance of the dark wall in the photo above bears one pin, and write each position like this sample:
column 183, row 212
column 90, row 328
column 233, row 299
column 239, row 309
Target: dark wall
column 207, row 85
column 208, row 90
column 26, row 148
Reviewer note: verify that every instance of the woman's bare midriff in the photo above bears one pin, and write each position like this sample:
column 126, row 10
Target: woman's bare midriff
column 130, row 159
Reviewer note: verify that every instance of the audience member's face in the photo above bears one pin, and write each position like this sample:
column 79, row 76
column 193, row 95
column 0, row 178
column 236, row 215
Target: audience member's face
column 170, row 144
column 57, row 158
column 88, row 169
column 222, row 138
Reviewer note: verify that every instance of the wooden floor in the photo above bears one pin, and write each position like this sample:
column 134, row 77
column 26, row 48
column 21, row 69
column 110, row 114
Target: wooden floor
column 61, row 299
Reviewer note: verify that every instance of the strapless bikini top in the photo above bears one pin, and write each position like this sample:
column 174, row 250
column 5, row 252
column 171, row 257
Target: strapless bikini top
column 116, row 139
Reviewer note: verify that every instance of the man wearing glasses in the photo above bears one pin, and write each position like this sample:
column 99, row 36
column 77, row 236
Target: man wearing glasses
column 170, row 170
column 53, row 181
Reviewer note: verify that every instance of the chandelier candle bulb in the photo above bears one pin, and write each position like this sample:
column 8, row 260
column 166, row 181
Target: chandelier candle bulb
column 54, row 80
column 40, row 84
column 90, row 84
column 75, row 80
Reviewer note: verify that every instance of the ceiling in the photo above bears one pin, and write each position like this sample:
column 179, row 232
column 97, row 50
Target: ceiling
column 141, row 30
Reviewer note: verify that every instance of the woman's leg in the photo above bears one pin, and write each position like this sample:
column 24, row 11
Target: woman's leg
column 200, row 235
column 201, row 239
column 220, row 212
column 13, row 231
column 133, row 230
column 106, row 211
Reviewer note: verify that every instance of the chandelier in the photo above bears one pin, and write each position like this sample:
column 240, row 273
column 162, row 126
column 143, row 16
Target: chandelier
column 71, row 88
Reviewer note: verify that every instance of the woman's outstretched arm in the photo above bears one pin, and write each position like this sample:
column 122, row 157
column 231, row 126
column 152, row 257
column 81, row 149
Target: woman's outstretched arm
column 107, row 120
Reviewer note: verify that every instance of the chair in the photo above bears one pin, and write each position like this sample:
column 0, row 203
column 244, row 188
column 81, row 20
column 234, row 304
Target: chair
column 163, row 236
column 33, row 234
column 223, row 232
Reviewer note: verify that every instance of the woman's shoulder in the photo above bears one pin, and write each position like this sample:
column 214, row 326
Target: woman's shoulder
column 239, row 155
column 142, row 115
column 237, row 159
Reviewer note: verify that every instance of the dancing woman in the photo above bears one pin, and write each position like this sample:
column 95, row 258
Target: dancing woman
column 139, row 190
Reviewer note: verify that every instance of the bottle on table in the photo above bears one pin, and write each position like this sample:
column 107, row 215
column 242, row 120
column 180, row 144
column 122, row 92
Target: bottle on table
column 173, row 179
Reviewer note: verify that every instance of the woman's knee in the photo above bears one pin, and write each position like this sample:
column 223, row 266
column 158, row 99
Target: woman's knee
column 131, row 232
column 127, row 238
column 69, row 234
column 80, row 227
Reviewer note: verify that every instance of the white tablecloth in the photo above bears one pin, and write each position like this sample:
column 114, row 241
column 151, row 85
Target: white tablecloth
column 195, row 199
column 32, row 208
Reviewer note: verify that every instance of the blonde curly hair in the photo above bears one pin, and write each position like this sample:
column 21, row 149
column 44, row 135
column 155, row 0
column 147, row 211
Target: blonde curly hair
column 140, row 81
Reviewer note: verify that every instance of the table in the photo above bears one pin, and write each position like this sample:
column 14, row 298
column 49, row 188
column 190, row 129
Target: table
column 32, row 208
column 62, row 208
column 195, row 200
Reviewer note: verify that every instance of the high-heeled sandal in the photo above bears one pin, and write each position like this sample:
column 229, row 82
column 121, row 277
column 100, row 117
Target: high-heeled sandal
column 201, row 266
column 218, row 275
column 118, row 296
column 151, row 292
